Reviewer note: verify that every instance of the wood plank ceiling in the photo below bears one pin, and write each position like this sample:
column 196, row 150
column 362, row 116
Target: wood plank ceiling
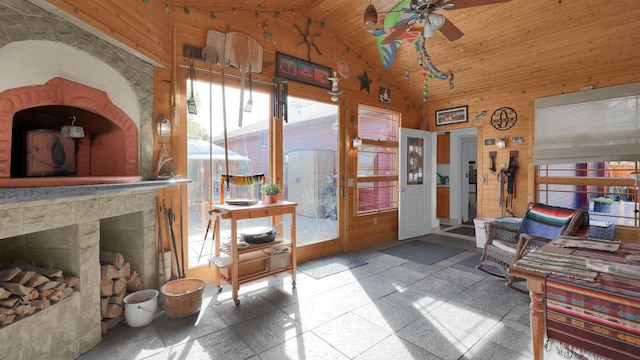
column 503, row 44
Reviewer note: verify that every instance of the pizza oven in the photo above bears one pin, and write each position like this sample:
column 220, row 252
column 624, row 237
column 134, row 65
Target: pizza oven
column 64, row 133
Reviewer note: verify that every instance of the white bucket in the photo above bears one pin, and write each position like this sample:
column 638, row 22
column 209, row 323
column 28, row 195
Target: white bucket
column 140, row 307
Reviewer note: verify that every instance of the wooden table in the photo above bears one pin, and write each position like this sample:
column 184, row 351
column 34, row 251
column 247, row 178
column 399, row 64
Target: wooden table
column 537, row 282
column 536, row 286
column 239, row 212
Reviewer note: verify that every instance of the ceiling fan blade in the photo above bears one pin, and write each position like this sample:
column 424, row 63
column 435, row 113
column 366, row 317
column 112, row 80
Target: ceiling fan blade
column 396, row 33
column 450, row 31
column 461, row 4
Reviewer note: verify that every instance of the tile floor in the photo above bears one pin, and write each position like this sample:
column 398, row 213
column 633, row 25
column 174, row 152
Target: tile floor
column 390, row 308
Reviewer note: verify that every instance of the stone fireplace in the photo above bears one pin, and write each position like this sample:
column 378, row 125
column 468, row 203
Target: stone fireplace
column 51, row 69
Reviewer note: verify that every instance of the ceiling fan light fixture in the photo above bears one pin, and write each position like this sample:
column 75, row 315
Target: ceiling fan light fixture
column 428, row 31
column 370, row 16
column 436, row 21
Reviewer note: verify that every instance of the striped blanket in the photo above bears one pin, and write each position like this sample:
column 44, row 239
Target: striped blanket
column 549, row 222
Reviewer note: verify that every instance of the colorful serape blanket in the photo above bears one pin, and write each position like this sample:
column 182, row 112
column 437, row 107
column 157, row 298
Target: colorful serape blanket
column 601, row 317
column 545, row 221
column 586, row 243
column 548, row 263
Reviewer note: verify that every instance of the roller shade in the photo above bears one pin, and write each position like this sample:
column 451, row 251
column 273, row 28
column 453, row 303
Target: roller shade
column 590, row 126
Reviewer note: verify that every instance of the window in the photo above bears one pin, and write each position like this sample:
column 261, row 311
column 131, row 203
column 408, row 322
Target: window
column 577, row 185
column 377, row 181
column 206, row 160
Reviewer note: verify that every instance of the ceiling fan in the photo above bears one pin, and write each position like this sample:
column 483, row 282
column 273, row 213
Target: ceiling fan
column 424, row 12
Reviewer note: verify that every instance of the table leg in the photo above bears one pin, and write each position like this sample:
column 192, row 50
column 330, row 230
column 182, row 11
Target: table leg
column 537, row 319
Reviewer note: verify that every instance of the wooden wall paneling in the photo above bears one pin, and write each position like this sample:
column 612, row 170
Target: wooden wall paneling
column 142, row 27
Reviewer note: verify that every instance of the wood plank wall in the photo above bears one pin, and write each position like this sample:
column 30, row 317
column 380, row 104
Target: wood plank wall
column 161, row 34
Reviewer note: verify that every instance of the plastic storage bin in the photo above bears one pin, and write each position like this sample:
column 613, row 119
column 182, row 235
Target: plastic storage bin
column 481, row 235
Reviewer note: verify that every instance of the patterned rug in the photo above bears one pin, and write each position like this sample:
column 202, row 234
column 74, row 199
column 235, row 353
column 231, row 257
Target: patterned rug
column 329, row 265
column 462, row 230
column 422, row 252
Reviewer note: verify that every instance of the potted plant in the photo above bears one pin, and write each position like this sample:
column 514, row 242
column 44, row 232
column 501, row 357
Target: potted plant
column 602, row 204
column 270, row 192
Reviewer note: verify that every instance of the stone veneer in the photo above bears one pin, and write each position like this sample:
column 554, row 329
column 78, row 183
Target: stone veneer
column 68, row 234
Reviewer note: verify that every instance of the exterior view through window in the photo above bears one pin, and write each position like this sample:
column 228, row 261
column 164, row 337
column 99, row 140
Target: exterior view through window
column 606, row 189
column 311, row 168
column 310, row 173
column 377, row 180
column 248, row 154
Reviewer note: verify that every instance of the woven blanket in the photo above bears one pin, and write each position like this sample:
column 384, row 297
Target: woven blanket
column 586, row 243
column 597, row 318
column 565, row 265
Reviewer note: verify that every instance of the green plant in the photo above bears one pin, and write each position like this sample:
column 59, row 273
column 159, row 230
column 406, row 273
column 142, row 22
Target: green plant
column 270, row 189
column 602, row 200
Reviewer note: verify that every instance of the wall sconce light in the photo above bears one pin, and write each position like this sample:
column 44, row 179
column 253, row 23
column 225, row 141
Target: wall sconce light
column 501, row 143
column 163, row 126
column 280, row 93
column 356, row 142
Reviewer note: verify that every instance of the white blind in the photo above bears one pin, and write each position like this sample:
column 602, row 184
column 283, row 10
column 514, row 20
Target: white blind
column 596, row 125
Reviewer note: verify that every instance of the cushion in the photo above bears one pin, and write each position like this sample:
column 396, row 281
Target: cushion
column 505, row 246
column 545, row 221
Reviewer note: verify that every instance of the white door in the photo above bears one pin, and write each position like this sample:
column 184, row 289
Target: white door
column 417, row 187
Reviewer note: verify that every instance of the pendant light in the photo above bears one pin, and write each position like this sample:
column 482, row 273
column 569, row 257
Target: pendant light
column 370, row 16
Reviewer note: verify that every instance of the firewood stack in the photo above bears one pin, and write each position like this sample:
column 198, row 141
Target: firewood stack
column 26, row 289
column 116, row 281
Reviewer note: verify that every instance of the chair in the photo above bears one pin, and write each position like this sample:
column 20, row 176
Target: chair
column 507, row 241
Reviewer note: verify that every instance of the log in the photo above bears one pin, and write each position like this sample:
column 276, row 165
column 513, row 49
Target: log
column 41, row 304
column 6, row 319
column 45, row 293
column 134, row 283
column 48, row 285
column 8, row 273
column 108, row 324
column 71, row 281
column 68, row 292
column 23, row 276
column 10, row 302
column 7, row 311
column 106, row 287
column 125, row 271
column 113, row 311
column 23, row 309
column 35, row 294
column 103, row 305
column 56, row 296
column 116, row 299
column 40, row 270
column 4, row 293
column 36, row 280
column 111, row 258
column 120, row 286
column 16, row 289
column 108, row 272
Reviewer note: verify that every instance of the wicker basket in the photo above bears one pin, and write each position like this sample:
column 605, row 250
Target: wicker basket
column 182, row 297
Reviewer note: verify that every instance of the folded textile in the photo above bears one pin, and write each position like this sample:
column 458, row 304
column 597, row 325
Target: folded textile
column 565, row 265
column 586, row 243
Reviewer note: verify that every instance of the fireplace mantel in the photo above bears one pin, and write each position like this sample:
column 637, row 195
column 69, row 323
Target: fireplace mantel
column 27, row 194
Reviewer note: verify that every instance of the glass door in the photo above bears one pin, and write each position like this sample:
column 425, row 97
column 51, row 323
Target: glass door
column 311, row 168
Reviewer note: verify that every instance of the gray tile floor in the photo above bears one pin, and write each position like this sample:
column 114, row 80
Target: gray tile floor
column 390, row 308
